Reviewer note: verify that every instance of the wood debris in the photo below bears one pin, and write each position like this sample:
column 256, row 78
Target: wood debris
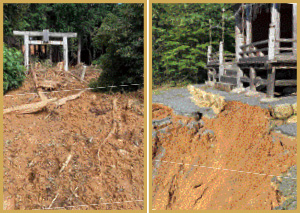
column 30, row 108
column 38, row 106
column 48, row 85
column 40, row 91
column 62, row 101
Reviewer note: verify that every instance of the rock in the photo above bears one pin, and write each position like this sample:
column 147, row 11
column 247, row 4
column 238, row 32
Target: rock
column 164, row 121
column 292, row 119
column 206, row 99
column 295, row 108
column 209, row 115
column 287, row 129
column 238, row 90
column 210, row 83
column 252, row 94
column 219, row 105
column 283, row 111
column 268, row 100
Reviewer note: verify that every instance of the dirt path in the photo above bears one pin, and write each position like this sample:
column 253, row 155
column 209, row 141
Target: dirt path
column 217, row 163
column 86, row 154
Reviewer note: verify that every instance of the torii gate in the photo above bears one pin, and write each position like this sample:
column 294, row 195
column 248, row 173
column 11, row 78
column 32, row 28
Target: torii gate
column 45, row 34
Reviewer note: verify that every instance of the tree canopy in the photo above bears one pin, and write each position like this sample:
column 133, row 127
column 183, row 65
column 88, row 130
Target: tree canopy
column 80, row 18
column 111, row 35
column 181, row 37
column 122, row 32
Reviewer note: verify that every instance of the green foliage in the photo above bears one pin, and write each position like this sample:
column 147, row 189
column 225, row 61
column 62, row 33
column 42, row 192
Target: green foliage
column 121, row 35
column 181, row 38
column 111, row 34
column 80, row 18
column 13, row 74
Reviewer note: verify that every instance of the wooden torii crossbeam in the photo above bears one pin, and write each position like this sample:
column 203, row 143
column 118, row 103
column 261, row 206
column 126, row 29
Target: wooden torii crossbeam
column 46, row 35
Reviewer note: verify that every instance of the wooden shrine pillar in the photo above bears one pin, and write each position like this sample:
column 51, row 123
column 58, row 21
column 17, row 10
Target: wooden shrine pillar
column 271, row 82
column 51, row 52
column 79, row 51
column 295, row 29
column 277, row 29
column 221, row 59
column 209, row 50
column 66, row 61
column 238, row 37
column 214, row 75
column 248, row 26
column 252, row 79
column 274, row 32
column 26, row 54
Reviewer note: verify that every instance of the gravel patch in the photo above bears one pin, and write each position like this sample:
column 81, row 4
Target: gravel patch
column 287, row 187
column 288, row 129
column 179, row 99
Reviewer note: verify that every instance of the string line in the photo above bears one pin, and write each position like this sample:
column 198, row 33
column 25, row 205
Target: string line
column 231, row 170
column 68, row 90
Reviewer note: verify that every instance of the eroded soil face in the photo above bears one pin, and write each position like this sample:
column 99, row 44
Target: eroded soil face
column 85, row 152
column 216, row 165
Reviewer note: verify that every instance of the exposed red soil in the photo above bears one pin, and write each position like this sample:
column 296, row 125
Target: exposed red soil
column 241, row 142
column 36, row 147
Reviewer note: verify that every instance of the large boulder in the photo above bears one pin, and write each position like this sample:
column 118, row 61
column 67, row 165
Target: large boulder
column 283, row 111
column 292, row 119
column 205, row 99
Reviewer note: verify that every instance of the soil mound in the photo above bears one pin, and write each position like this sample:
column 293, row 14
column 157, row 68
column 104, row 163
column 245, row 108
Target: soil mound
column 86, row 154
column 222, row 163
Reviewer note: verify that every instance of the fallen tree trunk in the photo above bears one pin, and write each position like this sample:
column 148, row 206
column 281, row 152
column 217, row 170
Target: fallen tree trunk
column 35, row 107
column 62, row 101
column 29, row 108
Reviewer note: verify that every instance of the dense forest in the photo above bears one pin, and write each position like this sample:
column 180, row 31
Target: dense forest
column 109, row 35
column 181, row 37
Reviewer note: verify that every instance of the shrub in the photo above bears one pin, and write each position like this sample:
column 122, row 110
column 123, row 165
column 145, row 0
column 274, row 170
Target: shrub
column 13, row 74
column 122, row 36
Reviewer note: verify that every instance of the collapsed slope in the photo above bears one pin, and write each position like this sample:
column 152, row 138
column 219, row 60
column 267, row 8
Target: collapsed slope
column 217, row 163
column 86, row 154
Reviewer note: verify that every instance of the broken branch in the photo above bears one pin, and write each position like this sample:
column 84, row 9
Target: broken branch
column 66, row 163
column 40, row 91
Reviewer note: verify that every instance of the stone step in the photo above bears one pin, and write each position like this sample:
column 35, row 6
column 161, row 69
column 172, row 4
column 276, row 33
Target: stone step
column 225, row 86
column 230, row 72
column 228, row 79
column 232, row 66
